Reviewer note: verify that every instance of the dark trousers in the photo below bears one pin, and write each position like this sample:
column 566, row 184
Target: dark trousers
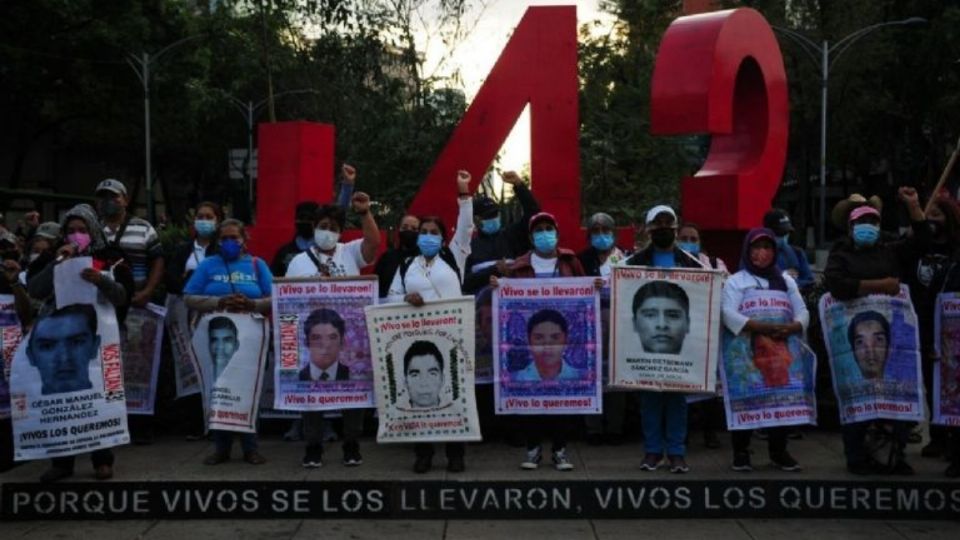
column 938, row 434
column 854, row 439
column 614, row 412
column 352, row 426
column 555, row 428
column 97, row 457
column 453, row 449
column 776, row 440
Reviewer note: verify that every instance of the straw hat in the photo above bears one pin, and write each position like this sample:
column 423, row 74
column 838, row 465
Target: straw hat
column 840, row 212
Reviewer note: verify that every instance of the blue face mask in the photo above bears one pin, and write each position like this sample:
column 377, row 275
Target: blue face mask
column 865, row 234
column 545, row 241
column 205, row 227
column 692, row 248
column 429, row 244
column 490, row 226
column 230, row 249
column 601, row 241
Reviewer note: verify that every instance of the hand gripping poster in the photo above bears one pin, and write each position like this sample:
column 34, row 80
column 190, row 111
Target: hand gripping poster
column 548, row 348
column 231, row 349
column 423, row 365
column 186, row 371
column 767, row 382
column 320, row 338
column 874, row 352
column 946, row 371
column 66, row 383
column 9, row 339
column 141, row 357
column 665, row 333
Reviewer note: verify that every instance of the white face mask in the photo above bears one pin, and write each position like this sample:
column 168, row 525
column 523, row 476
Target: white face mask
column 325, row 240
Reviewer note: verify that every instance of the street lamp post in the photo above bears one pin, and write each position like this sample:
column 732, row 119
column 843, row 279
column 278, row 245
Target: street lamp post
column 824, row 56
column 141, row 66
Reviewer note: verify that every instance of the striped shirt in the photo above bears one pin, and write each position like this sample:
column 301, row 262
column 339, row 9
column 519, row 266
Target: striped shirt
column 140, row 245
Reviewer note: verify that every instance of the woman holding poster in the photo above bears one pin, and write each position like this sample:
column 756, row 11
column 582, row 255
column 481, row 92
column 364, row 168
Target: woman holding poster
column 757, row 302
column 232, row 280
column 862, row 264
column 434, row 274
column 83, row 237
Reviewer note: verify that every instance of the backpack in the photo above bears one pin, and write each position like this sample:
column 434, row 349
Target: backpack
column 445, row 255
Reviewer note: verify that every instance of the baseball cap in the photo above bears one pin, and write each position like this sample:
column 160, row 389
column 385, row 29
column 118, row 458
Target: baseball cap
column 777, row 221
column 49, row 230
column 7, row 236
column 112, row 185
column 542, row 216
column 861, row 211
column 657, row 210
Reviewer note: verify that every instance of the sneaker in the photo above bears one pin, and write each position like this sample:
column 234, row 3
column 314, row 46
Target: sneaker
column 741, row 462
column 313, row 458
column 351, row 454
column 932, row 450
column 651, row 462
column 785, row 462
column 533, row 458
column 560, row 460
column 902, row 468
column 678, row 465
column 216, row 458
column 254, row 458
column 103, row 472
column 455, row 464
column 54, row 474
column 422, row 464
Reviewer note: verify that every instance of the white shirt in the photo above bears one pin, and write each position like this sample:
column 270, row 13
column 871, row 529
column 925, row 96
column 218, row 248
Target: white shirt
column 195, row 258
column 543, row 267
column 331, row 371
column 346, row 261
column 738, row 284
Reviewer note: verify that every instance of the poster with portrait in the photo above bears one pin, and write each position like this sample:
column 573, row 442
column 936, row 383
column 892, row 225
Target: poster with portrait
column 665, row 334
column 66, row 383
column 423, row 365
column 484, row 336
column 946, row 371
column 547, row 345
column 141, row 357
column 9, row 339
column 767, row 382
column 186, row 371
column 231, row 349
column 321, row 343
column 874, row 351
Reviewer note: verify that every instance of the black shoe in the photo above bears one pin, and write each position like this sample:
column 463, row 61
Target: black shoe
column 785, row 462
column 313, row 458
column 422, row 464
column 455, row 464
column 902, row 468
column 351, row 454
column 54, row 474
column 741, row 462
column 933, row 449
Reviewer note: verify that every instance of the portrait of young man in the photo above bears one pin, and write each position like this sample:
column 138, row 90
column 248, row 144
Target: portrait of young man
column 323, row 331
column 61, row 347
column 423, row 370
column 661, row 317
column 224, row 342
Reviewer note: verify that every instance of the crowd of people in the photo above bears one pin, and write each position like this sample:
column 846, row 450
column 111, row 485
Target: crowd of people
column 424, row 261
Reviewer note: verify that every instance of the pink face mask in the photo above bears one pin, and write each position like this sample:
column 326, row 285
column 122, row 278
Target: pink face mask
column 79, row 239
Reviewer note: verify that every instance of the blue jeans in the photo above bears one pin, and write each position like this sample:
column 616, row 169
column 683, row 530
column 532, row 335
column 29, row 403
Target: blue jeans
column 223, row 441
column 655, row 407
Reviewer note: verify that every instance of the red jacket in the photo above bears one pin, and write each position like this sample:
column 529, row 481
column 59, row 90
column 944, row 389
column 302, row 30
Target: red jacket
column 568, row 265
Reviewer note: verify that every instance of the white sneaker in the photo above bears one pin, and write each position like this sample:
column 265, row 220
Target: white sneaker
column 532, row 461
column 560, row 460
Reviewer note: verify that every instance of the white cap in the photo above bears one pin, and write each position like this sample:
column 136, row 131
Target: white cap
column 657, row 210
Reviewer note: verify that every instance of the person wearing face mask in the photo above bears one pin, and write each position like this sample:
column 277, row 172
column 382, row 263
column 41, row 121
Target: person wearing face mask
column 663, row 409
column 688, row 239
column 865, row 263
column 790, row 258
column 495, row 246
column 304, row 221
column 545, row 260
column 404, row 247
column 231, row 280
column 40, row 249
column 434, row 274
column 760, row 275
column 597, row 260
column 329, row 257
column 83, row 237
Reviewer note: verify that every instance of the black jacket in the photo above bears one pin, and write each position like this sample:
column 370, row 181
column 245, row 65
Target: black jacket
column 282, row 259
column 343, row 373
column 175, row 278
column 387, row 265
column 644, row 257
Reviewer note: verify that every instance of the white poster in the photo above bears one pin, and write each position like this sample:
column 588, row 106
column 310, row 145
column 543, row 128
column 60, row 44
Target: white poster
column 185, row 368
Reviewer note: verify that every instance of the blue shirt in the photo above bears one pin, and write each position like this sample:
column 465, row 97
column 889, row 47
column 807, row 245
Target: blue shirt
column 664, row 259
column 216, row 277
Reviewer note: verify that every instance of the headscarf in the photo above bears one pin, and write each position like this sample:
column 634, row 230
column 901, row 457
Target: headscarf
column 98, row 240
column 773, row 274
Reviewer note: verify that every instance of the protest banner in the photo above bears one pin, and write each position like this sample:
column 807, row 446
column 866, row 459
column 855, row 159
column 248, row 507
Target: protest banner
column 142, row 342
column 423, row 364
column 946, row 371
column 321, row 343
column 874, row 351
column 185, row 368
column 231, row 349
column 767, row 382
column 666, row 330
column 66, row 384
column 9, row 339
column 267, row 394
column 547, row 346
column 483, row 373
